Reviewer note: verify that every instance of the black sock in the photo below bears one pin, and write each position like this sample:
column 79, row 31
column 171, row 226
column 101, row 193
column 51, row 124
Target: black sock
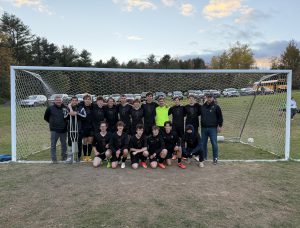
column 179, row 160
column 124, row 159
column 84, row 147
column 89, row 149
column 143, row 158
column 161, row 160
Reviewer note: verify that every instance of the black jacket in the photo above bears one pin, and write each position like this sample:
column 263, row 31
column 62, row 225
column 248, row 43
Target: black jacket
column 211, row 115
column 57, row 118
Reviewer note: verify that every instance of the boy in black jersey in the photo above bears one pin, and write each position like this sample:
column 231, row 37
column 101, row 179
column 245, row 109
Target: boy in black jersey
column 193, row 111
column 138, row 148
column 178, row 113
column 156, row 148
column 137, row 114
column 124, row 113
column 98, row 113
column 101, row 145
column 172, row 144
column 119, row 146
column 149, row 113
column 111, row 115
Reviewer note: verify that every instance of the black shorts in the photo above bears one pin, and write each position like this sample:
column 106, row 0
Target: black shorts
column 156, row 157
column 179, row 130
column 148, row 129
column 170, row 153
column 114, row 156
column 88, row 132
column 101, row 155
column 136, row 158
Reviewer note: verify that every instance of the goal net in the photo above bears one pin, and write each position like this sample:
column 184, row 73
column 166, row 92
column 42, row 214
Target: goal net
column 253, row 103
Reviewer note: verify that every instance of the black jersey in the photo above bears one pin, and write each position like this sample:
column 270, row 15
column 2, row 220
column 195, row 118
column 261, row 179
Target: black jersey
column 191, row 140
column 192, row 114
column 136, row 143
column 101, row 141
column 170, row 139
column 149, row 113
column 118, row 141
column 111, row 116
column 124, row 113
column 155, row 144
column 136, row 116
column 178, row 113
column 98, row 116
column 81, row 114
column 87, row 122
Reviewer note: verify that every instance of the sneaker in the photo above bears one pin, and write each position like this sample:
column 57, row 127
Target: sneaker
column 78, row 159
column 215, row 161
column 144, row 164
column 84, row 158
column 69, row 161
column 108, row 165
column 174, row 157
column 54, row 162
column 123, row 165
column 119, row 162
column 161, row 165
column 89, row 158
column 196, row 158
column 201, row 164
column 182, row 166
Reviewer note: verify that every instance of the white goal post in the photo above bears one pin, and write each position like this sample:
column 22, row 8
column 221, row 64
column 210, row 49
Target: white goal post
column 34, row 78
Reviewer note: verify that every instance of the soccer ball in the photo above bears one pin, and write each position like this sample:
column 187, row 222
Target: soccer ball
column 250, row 140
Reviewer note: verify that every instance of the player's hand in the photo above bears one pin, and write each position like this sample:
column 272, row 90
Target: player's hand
column 219, row 129
column 176, row 148
column 107, row 146
column 97, row 153
column 134, row 153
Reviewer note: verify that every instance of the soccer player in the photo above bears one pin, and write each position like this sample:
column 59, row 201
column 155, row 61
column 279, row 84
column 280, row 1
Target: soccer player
column 119, row 146
column 124, row 112
column 138, row 148
column 211, row 125
column 98, row 113
column 192, row 111
column 178, row 113
column 87, row 127
column 101, row 146
column 56, row 116
column 149, row 113
column 111, row 115
column 191, row 144
column 156, row 148
column 162, row 113
column 136, row 114
column 79, row 113
column 172, row 144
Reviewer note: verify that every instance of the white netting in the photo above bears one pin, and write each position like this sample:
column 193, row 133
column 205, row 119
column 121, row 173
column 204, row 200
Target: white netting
column 255, row 117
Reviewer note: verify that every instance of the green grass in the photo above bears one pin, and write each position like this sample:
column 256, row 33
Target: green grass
column 5, row 135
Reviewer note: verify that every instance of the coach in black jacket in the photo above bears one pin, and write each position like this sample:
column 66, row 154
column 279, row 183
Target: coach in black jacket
column 56, row 116
column 211, row 124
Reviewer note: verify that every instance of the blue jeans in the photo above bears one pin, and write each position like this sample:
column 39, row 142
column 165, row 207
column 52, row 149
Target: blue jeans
column 212, row 133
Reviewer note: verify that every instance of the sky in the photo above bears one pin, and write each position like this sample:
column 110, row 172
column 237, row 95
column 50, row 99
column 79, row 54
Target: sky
column 134, row 29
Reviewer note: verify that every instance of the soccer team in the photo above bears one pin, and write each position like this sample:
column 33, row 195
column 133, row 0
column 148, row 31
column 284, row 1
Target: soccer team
column 142, row 131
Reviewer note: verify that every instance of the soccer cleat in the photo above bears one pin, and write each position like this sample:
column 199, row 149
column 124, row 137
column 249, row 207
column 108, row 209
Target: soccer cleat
column 196, row 158
column 182, row 166
column 108, row 165
column 215, row 161
column 174, row 157
column 123, row 165
column 161, row 165
column 144, row 164
column 201, row 164
column 84, row 158
column 89, row 158
column 69, row 161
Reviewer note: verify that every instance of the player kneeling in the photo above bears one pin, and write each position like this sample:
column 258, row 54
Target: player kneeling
column 172, row 143
column 138, row 148
column 156, row 148
column 119, row 146
column 101, row 146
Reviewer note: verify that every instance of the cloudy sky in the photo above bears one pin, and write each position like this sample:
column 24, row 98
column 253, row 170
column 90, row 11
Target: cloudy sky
column 133, row 29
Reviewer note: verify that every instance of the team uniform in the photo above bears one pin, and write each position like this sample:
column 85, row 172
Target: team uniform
column 162, row 115
column 149, row 116
column 118, row 142
column 192, row 115
column 178, row 113
column 171, row 140
column 137, row 118
column 98, row 117
column 155, row 146
column 136, row 143
column 124, row 113
column 100, row 141
column 111, row 116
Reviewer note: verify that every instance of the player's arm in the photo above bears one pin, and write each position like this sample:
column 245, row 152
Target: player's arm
column 94, row 147
column 47, row 114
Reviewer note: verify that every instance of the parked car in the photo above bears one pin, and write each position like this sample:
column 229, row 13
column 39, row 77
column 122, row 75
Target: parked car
column 247, row 91
column 177, row 94
column 116, row 97
column 105, row 97
column 137, row 96
column 33, row 101
column 265, row 91
column 215, row 93
column 159, row 94
column 65, row 98
column 129, row 97
column 231, row 92
column 170, row 94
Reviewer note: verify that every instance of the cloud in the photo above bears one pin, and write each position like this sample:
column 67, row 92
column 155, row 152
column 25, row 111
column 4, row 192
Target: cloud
column 37, row 5
column 187, row 9
column 168, row 3
column 249, row 14
column 134, row 38
column 221, row 8
column 129, row 5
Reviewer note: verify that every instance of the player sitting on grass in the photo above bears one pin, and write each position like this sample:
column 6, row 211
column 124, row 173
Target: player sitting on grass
column 191, row 144
column 156, row 148
column 119, row 146
column 136, row 114
column 172, row 143
column 101, row 146
column 138, row 148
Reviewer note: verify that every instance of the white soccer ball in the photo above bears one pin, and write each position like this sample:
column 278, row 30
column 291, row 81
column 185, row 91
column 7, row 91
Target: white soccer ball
column 220, row 138
column 250, row 140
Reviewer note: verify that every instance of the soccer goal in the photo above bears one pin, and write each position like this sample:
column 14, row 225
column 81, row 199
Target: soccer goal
column 255, row 104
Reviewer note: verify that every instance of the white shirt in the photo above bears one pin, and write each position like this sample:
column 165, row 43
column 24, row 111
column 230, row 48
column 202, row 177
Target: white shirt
column 293, row 104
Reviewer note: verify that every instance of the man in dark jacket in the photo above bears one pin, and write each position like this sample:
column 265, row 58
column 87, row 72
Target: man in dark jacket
column 211, row 125
column 56, row 116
